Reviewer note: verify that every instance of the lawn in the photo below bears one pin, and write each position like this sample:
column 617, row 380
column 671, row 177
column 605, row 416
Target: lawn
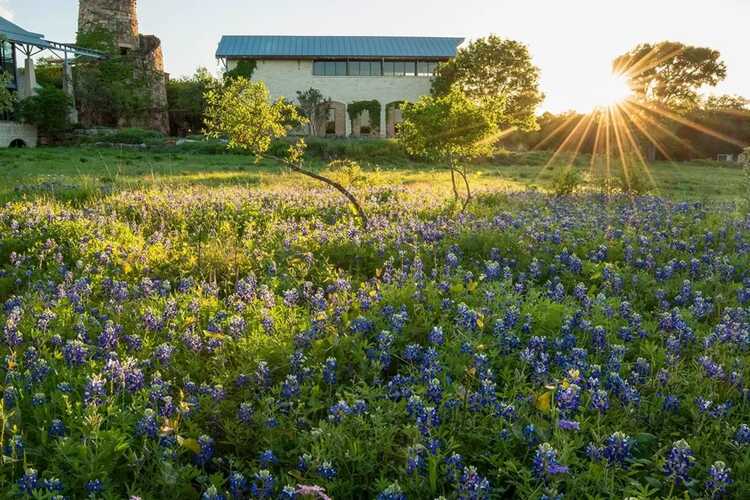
column 196, row 326
column 89, row 171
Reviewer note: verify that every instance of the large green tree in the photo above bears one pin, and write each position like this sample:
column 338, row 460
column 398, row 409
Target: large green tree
column 498, row 73
column 670, row 74
column 48, row 110
column 187, row 102
column 242, row 112
column 450, row 128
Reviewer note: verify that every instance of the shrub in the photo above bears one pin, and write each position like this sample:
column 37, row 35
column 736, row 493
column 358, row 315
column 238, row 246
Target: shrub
column 48, row 110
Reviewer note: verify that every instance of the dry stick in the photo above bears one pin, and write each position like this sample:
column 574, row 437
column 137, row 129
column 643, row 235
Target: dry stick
column 453, row 181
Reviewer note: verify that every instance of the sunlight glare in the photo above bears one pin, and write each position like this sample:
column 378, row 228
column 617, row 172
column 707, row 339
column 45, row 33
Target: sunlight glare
column 615, row 90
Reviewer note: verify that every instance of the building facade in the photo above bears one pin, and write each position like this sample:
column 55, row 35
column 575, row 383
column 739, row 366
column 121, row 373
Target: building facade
column 346, row 70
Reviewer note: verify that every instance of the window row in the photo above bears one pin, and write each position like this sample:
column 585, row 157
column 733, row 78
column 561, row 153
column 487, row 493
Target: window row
column 374, row 68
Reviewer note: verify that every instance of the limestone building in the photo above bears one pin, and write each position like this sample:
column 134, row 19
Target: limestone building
column 345, row 69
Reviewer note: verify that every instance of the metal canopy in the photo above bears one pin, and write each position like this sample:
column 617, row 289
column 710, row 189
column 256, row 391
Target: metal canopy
column 27, row 41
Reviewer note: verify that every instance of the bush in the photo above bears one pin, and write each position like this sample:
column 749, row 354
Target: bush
column 48, row 110
column 566, row 181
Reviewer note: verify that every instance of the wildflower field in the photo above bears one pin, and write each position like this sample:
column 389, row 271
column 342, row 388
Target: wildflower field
column 229, row 342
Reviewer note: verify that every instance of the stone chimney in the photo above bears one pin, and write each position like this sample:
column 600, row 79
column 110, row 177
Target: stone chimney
column 117, row 16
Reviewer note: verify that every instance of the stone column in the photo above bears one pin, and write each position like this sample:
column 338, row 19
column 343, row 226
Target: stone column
column 348, row 121
column 29, row 79
column 68, row 88
column 383, row 121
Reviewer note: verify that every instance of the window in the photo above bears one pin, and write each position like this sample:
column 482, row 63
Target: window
column 399, row 68
column 426, row 68
column 319, row 68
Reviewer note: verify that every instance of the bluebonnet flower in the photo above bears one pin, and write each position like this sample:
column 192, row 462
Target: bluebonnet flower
column 617, row 449
column 679, row 461
column 245, row 412
column 436, row 336
column 392, row 492
column 338, row 411
column 74, row 352
column 288, row 493
column 416, row 461
column 95, row 391
column 719, row 480
column 267, row 458
column 95, row 486
column 290, row 387
column 29, row 481
column 569, row 425
column 327, row 471
column 237, row 485
column 742, row 435
column 147, row 426
column 205, row 450
column 303, row 462
column 329, row 371
column 57, row 428
column 546, row 464
column 472, row 486
column 263, row 485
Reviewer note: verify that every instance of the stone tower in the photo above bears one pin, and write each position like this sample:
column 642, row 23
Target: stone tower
column 120, row 17
column 117, row 16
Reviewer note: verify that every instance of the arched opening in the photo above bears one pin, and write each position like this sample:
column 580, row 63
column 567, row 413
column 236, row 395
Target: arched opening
column 334, row 120
column 393, row 117
column 17, row 143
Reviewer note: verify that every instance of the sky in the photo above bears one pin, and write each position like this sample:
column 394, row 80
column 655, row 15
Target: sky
column 572, row 41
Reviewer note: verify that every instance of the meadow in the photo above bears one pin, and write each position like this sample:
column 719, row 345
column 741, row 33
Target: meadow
column 192, row 325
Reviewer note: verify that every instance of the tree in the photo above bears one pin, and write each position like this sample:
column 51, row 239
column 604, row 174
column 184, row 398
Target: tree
column 48, row 110
column 670, row 73
column 313, row 107
column 242, row 112
column 7, row 99
column 186, row 101
column 451, row 128
column 499, row 73
column 114, row 90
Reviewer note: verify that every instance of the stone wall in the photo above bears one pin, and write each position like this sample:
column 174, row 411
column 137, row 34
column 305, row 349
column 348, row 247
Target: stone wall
column 12, row 131
column 285, row 78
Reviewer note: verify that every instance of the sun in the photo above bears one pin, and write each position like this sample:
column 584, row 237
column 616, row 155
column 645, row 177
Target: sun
column 612, row 91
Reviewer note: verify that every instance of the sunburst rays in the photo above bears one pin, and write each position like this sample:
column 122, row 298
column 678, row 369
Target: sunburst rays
column 625, row 136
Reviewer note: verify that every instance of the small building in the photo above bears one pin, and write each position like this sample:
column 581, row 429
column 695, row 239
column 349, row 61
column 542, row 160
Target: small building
column 15, row 42
column 346, row 70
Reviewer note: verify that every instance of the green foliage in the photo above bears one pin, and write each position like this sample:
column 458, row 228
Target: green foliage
column 313, row 106
column 242, row 113
column 373, row 108
column 48, row 110
column 566, row 181
column 244, row 69
column 114, row 90
column 448, row 127
column 671, row 73
column 348, row 173
column 186, row 101
column 498, row 73
column 7, row 98
column 49, row 74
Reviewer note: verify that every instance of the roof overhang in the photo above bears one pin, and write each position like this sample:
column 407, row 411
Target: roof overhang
column 29, row 41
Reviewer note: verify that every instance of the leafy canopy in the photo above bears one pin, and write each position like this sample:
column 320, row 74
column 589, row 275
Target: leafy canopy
column 449, row 126
column 314, row 107
column 242, row 112
column 499, row 73
column 187, row 104
column 671, row 73
column 48, row 110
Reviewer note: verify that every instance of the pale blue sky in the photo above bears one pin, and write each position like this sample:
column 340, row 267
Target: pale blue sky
column 572, row 41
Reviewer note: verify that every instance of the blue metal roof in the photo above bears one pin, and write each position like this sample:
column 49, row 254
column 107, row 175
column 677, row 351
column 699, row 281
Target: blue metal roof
column 14, row 33
column 303, row 47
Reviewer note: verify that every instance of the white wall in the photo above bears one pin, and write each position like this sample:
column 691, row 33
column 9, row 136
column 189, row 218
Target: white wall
column 285, row 78
column 9, row 131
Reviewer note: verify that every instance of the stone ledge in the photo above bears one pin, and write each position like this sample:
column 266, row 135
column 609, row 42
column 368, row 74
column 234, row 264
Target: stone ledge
column 11, row 131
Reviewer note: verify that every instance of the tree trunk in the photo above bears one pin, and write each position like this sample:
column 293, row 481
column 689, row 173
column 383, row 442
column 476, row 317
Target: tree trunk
column 468, row 189
column 338, row 187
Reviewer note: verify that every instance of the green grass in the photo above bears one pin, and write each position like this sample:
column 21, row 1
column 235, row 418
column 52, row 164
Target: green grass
column 79, row 173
